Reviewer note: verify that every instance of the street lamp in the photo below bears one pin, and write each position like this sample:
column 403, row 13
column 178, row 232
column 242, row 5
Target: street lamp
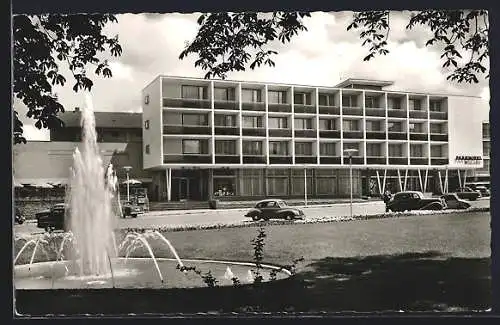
column 305, row 185
column 127, row 169
column 350, row 152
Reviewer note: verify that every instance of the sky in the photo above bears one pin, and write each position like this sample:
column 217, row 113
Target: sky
column 324, row 55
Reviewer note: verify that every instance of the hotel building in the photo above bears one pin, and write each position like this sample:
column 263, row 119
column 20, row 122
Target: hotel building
column 205, row 139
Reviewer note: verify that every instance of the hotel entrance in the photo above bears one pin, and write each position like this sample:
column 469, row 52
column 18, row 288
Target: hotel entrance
column 189, row 185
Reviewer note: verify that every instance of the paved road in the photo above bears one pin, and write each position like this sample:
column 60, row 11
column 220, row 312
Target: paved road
column 208, row 217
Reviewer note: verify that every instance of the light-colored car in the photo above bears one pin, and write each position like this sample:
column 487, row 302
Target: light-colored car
column 274, row 209
column 454, row 202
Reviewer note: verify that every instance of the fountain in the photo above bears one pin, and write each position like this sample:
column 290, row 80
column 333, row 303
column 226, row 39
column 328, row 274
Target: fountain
column 88, row 256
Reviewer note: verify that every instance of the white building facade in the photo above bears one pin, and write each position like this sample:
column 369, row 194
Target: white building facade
column 246, row 140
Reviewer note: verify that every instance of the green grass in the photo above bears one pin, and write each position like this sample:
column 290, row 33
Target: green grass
column 426, row 262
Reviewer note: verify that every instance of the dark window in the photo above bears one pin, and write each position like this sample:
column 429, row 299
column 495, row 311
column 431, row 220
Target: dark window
column 415, row 104
column 373, row 126
column 194, row 147
column 303, row 149
column 351, row 125
column 147, row 149
column 371, row 102
column 225, row 120
column 326, row 100
column 278, row 148
column 327, row 149
column 395, row 150
column 277, row 97
column 349, row 100
column 194, row 119
column 303, row 124
column 252, row 121
column 302, row 98
column 146, row 124
column 224, row 94
column 373, row 150
column 435, row 105
column 278, row 122
column 194, row 92
column 252, row 148
column 327, row 124
column 146, row 99
column 225, row 147
column 251, row 96
column 395, row 127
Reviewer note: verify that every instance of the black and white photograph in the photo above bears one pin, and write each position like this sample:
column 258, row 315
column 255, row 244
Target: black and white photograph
column 251, row 163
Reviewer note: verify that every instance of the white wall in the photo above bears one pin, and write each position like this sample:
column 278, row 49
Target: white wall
column 465, row 118
column 153, row 113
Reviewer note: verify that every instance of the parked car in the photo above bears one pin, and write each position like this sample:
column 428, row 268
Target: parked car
column 274, row 208
column 52, row 218
column 18, row 216
column 413, row 200
column 132, row 209
column 483, row 190
column 467, row 193
column 454, row 202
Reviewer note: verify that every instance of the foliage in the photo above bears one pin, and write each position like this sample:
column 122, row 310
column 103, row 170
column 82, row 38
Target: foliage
column 458, row 31
column 258, row 253
column 225, row 41
column 207, row 277
column 42, row 45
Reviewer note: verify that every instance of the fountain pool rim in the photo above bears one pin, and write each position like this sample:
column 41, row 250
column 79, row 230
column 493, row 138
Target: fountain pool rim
column 35, row 269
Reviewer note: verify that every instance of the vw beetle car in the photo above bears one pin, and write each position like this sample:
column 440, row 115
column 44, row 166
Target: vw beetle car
column 274, row 208
column 454, row 202
column 413, row 200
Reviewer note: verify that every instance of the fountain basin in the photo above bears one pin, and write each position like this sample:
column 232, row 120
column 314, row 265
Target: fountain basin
column 43, row 288
column 137, row 273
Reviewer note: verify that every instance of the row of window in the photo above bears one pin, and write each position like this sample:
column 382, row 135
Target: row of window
column 302, row 98
column 193, row 119
column 281, row 148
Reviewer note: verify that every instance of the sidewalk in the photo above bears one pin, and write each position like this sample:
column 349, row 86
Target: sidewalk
column 250, row 204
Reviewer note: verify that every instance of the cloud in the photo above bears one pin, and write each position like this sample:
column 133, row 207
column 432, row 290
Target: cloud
column 322, row 56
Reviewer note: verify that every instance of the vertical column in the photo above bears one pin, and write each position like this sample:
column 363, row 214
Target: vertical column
column 292, row 102
column 267, row 124
column 212, row 119
column 168, row 176
column 459, row 178
column 363, row 94
column 210, row 183
column 316, row 103
column 428, row 131
column 408, row 128
column 162, row 159
column 240, row 122
column 341, row 129
column 305, row 185
column 386, row 121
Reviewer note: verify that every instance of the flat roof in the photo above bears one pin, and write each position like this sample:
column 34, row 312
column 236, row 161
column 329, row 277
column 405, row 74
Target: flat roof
column 364, row 82
column 411, row 92
column 105, row 119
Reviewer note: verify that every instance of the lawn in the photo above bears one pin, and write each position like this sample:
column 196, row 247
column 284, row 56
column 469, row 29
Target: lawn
column 416, row 263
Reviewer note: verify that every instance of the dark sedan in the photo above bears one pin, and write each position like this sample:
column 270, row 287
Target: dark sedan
column 53, row 218
column 413, row 200
column 274, row 209
column 454, row 202
column 468, row 193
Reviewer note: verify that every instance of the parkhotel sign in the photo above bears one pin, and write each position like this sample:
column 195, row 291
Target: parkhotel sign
column 469, row 160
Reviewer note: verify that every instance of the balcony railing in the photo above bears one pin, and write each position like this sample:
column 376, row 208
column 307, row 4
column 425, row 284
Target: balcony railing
column 280, row 133
column 227, row 159
column 439, row 137
column 330, row 110
column 392, row 112
column 397, row 135
column 254, row 159
column 276, row 159
column 301, row 108
column 329, row 160
column 253, row 106
column 356, row 111
column 255, row 132
column 438, row 115
column 353, row 134
column 226, row 104
column 330, row 134
column 227, row 130
column 439, row 161
column 375, row 160
column 282, row 108
column 305, row 133
column 187, row 158
column 355, row 160
column 418, row 114
column 371, row 111
column 419, row 160
column 187, row 129
column 375, row 135
column 305, row 160
column 398, row 161
column 418, row 136
column 186, row 103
